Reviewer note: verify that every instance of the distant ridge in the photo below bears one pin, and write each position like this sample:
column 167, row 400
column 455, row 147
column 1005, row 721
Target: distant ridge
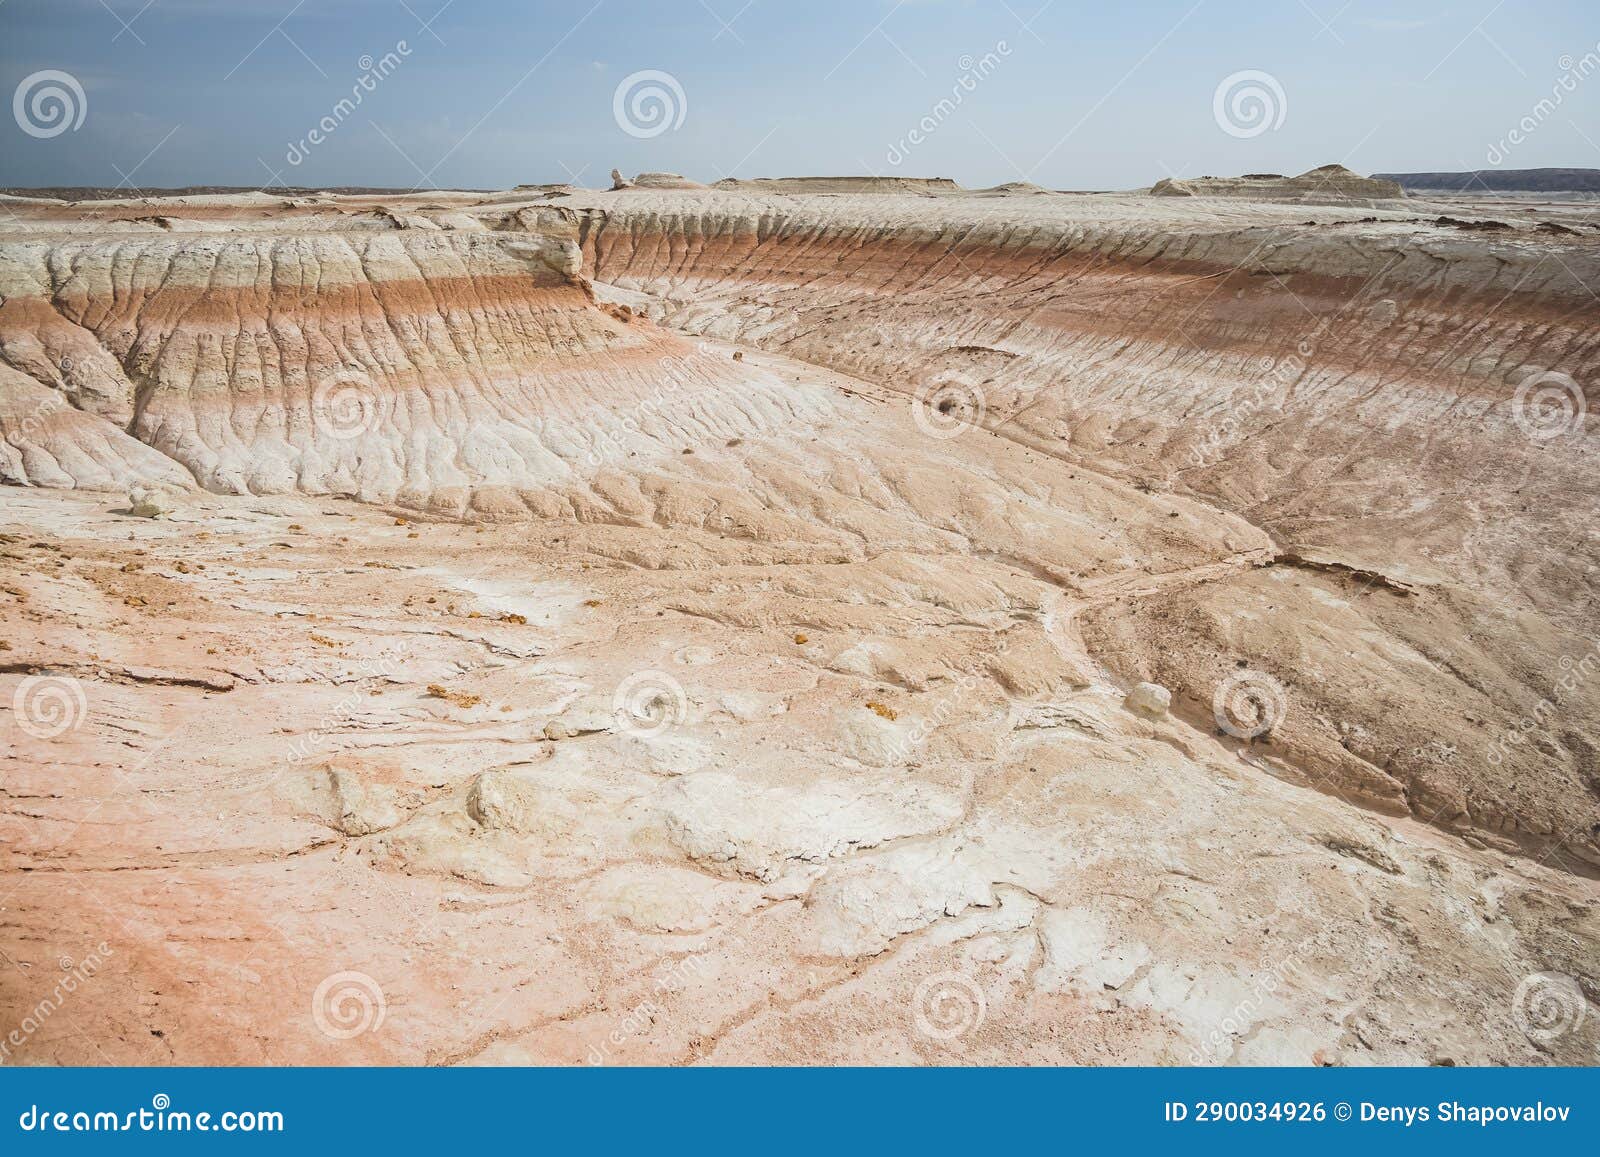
column 112, row 192
column 842, row 185
column 1503, row 181
column 1328, row 184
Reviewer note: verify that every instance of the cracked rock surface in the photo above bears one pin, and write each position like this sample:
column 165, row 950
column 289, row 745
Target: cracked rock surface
column 513, row 675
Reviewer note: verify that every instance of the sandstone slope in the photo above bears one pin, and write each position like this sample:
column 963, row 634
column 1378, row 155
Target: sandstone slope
column 674, row 625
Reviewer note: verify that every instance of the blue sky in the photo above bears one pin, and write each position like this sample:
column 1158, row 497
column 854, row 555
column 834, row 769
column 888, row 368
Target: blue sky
column 490, row 93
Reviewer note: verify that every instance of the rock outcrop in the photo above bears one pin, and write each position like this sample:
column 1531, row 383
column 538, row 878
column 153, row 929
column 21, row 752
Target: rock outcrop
column 439, row 371
column 1329, row 184
column 663, row 181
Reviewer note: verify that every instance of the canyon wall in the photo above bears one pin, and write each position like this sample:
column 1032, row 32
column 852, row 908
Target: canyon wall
column 439, row 371
column 1398, row 404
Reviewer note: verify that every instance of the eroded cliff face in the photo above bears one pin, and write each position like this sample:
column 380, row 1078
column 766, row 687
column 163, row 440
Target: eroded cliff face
column 1395, row 405
column 670, row 625
column 1353, row 385
column 451, row 372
